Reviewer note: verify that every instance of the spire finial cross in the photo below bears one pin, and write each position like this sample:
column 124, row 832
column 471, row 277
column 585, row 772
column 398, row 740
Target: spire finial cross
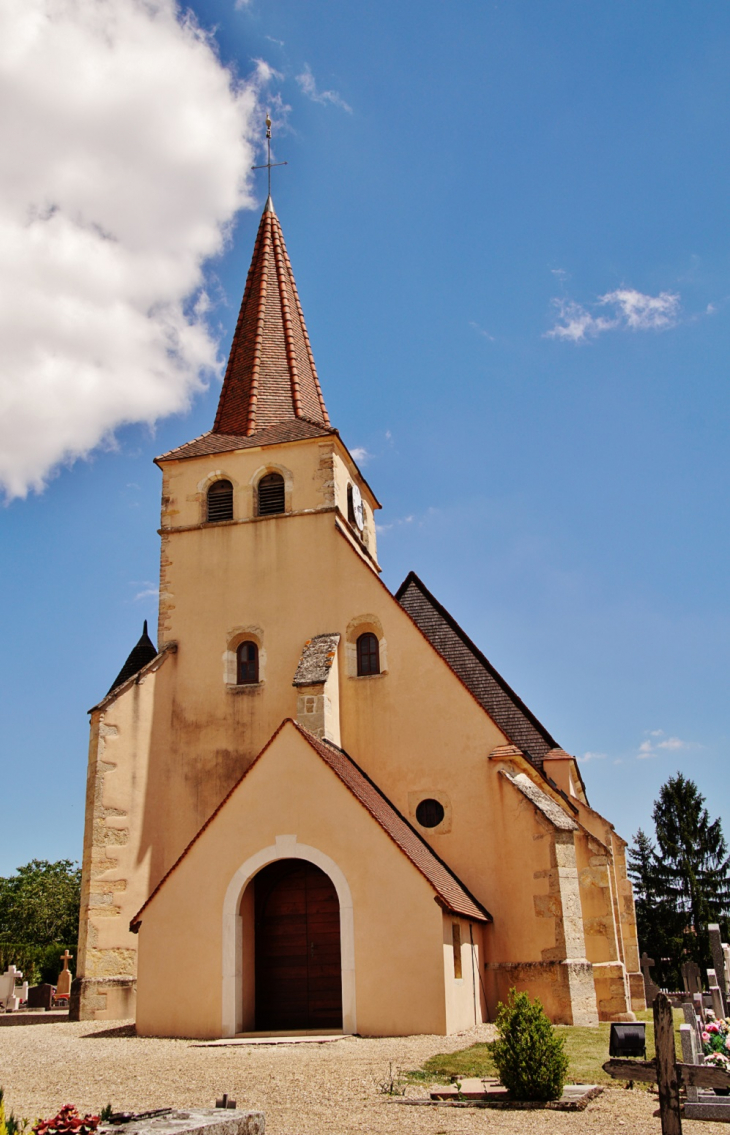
column 268, row 164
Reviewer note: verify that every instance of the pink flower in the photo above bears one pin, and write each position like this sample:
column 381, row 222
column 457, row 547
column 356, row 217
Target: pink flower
column 705, row 1037
column 713, row 1027
column 727, row 1044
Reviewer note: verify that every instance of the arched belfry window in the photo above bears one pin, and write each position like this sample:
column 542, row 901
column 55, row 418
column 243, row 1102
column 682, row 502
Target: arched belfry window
column 271, row 494
column 247, row 664
column 350, row 506
column 368, row 655
column 220, row 501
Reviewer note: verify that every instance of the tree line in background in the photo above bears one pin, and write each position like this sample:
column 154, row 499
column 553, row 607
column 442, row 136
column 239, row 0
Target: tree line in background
column 39, row 917
column 681, row 882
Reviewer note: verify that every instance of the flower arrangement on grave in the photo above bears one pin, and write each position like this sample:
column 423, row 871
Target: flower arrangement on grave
column 716, row 1041
column 67, row 1122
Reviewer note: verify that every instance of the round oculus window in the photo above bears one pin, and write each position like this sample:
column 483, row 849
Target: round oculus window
column 430, row 813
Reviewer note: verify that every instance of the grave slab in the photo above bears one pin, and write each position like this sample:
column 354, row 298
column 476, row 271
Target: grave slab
column 192, row 1121
column 33, row 1017
column 575, row 1097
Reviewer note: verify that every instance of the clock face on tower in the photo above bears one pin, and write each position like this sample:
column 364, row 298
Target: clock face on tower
column 357, row 507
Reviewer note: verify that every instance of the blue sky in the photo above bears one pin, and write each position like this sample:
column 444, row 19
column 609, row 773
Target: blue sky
column 507, row 224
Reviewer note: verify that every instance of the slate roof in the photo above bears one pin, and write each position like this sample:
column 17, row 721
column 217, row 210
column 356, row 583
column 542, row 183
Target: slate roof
column 506, row 709
column 142, row 653
column 450, row 891
column 271, row 376
column 316, row 661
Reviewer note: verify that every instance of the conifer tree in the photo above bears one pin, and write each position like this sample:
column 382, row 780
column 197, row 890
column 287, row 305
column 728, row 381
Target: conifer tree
column 681, row 884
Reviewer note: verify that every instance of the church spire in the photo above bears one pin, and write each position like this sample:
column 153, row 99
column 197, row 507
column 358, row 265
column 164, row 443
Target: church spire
column 271, row 377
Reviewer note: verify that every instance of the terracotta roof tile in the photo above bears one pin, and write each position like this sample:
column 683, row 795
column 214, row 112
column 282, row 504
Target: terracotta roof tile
column 506, row 709
column 211, row 443
column 271, row 376
column 451, row 893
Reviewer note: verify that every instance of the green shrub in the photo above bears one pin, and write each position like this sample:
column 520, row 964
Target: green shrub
column 528, row 1053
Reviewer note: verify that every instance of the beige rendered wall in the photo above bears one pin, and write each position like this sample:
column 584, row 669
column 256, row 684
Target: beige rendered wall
column 414, row 728
column 465, row 1005
column 398, row 927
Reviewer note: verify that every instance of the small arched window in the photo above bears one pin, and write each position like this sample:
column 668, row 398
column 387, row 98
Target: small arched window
column 350, row 506
column 271, row 494
column 368, row 655
column 247, row 669
column 220, row 501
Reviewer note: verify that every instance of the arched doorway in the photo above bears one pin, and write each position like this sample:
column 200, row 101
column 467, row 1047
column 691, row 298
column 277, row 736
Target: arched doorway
column 298, row 972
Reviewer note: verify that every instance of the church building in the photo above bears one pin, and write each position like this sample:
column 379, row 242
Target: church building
column 315, row 805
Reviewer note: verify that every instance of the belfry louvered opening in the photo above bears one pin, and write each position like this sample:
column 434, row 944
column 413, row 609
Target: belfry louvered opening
column 220, row 501
column 271, row 494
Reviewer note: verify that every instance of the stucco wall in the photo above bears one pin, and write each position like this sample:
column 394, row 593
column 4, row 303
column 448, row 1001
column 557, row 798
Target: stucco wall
column 398, row 926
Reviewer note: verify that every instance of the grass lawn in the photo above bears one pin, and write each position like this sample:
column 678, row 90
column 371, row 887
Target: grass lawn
column 587, row 1049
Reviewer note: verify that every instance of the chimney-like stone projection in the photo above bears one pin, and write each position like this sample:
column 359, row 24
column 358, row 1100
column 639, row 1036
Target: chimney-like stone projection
column 318, row 688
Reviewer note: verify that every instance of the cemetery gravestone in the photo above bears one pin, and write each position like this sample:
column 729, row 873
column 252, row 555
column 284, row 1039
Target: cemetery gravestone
column 40, row 996
column 65, row 977
column 11, row 994
column 691, row 977
column 718, row 956
column 651, row 989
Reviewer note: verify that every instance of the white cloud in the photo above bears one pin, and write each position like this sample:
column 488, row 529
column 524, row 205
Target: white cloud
column 632, row 311
column 309, row 86
column 126, row 154
column 644, row 313
column 360, row 454
column 657, row 742
column 591, row 757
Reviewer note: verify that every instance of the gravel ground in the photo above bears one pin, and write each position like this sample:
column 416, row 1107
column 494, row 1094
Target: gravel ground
column 304, row 1089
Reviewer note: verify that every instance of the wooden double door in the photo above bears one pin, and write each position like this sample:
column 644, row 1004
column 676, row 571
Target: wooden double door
column 297, row 948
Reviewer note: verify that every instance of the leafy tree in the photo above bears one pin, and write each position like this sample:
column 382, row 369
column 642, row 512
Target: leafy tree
column 681, row 884
column 40, row 903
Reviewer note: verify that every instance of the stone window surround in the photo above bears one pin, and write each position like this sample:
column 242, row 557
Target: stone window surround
column 235, row 637
column 244, row 495
column 253, row 485
column 362, row 624
column 415, row 798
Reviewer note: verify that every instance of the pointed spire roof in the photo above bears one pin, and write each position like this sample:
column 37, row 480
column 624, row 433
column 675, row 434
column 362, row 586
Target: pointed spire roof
column 271, row 378
column 141, row 654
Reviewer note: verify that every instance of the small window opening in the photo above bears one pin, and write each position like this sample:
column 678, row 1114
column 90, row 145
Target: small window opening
column 430, row 813
column 220, row 501
column 368, row 655
column 248, row 663
column 350, row 506
column 456, row 942
column 271, row 494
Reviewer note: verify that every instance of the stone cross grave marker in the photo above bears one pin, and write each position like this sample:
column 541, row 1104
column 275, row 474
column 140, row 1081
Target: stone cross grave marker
column 65, row 977
column 11, row 994
column 651, row 989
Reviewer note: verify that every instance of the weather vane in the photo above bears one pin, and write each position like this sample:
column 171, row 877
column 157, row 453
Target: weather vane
column 268, row 164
